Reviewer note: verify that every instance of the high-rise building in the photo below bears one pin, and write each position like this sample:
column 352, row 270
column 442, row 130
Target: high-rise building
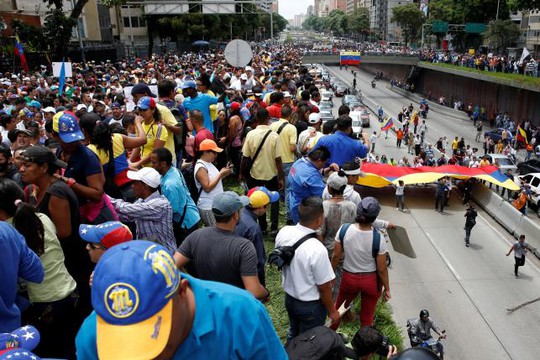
column 355, row 4
column 380, row 19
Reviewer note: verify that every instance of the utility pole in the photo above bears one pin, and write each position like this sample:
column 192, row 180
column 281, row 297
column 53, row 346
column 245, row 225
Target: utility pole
column 271, row 24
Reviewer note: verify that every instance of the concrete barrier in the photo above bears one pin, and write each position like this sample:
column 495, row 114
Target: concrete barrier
column 508, row 216
column 531, row 230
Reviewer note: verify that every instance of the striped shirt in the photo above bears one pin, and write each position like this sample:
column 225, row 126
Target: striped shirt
column 152, row 216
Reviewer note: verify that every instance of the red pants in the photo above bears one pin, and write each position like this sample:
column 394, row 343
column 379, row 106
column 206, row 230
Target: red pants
column 367, row 286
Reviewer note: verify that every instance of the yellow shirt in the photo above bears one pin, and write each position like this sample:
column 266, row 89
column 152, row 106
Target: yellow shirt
column 213, row 107
column 264, row 167
column 287, row 137
column 153, row 132
column 455, row 144
column 168, row 118
column 103, row 155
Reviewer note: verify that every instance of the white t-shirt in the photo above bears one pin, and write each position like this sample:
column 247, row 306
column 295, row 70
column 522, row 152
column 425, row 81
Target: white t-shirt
column 309, row 267
column 357, row 248
column 205, row 200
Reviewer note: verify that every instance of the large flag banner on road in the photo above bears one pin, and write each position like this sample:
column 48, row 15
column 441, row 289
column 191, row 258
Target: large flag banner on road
column 381, row 175
column 19, row 51
column 349, row 58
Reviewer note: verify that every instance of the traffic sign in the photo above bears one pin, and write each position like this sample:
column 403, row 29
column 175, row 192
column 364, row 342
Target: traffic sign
column 439, row 26
column 238, row 53
column 475, row 28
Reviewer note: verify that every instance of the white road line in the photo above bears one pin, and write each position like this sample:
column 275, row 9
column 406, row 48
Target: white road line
column 445, row 259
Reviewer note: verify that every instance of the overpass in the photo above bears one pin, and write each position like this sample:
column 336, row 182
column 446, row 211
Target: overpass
column 327, row 58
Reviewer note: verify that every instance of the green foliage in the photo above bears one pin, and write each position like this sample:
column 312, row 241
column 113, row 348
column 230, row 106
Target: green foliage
column 196, row 26
column 464, row 11
column 340, row 24
column 501, row 33
column 410, row 18
column 526, row 4
column 53, row 36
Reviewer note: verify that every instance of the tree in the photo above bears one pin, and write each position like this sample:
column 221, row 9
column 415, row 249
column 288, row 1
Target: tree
column 410, row 18
column 358, row 21
column 525, row 4
column 501, row 34
column 464, row 11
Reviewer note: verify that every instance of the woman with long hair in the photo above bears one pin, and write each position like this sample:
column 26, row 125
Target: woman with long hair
column 53, row 301
column 154, row 131
column 364, row 266
column 111, row 149
column 236, row 125
column 55, row 199
column 222, row 137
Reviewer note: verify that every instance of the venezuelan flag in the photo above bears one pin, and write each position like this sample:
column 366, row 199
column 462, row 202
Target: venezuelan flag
column 349, row 58
column 387, row 124
column 19, row 51
column 381, row 175
column 521, row 135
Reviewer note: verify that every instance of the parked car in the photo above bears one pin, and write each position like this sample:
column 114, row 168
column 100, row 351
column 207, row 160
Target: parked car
column 529, row 166
column 365, row 117
column 341, row 90
column 496, row 134
column 360, row 119
column 504, row 162
column 327, row 96
column 350, row 99
column 326, row 116
column 325, row 105
column 533, row 179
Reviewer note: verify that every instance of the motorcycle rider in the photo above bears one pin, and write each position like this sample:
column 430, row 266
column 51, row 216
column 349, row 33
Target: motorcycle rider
column 373, row 83
column 421, row 330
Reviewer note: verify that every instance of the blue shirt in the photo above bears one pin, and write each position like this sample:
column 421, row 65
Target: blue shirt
column 342, row 148
column 18, row 261
column 174, row 188
column 202, row 103
column 304, row 180
column 249, row 228
column 229, row 323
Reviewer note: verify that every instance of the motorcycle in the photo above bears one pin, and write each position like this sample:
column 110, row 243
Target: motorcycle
column 433, row 344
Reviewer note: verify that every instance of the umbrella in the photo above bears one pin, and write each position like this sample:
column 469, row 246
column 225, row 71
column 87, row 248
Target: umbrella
column 200, row 43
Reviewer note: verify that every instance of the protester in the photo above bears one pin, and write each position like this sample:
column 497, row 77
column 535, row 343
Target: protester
column 259, row 198
column 152, row 212
column 218, row 254
column 148, row 291
column 519, row 248
column 307, row 280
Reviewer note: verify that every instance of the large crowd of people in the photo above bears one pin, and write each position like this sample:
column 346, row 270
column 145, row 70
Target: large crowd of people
column 145, row 149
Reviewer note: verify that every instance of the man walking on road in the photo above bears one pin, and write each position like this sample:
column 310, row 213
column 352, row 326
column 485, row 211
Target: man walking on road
column 470, row 221
column 520, row 248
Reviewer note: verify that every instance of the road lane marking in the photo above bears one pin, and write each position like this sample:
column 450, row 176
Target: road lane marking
column 445, row 259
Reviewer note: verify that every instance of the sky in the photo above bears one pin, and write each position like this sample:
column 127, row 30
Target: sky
column 289, row 8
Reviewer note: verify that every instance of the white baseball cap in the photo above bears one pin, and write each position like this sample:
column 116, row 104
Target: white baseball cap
column 49, row 109
column 314, row 118
column 147, row 175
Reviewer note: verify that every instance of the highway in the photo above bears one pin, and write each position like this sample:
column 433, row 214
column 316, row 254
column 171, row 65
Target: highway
column 467, row 290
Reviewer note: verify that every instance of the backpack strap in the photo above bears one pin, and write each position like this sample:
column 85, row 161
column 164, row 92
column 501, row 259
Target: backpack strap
column 282, row 127
column 376, row 245
column 260, row 147
column 303, row 240
column 342, row 232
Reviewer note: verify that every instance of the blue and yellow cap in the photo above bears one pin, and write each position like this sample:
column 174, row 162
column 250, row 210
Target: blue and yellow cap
column 132, row 291
column 65, row 123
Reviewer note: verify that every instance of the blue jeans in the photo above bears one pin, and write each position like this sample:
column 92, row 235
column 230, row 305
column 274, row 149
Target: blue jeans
column 468, row 229
column 303, row 315
column 285, row 193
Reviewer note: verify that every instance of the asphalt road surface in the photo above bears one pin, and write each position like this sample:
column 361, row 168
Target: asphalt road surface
column 467, row 290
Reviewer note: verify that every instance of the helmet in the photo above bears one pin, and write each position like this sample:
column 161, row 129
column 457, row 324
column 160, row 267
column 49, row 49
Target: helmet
column 424, row 313
column 416, row 353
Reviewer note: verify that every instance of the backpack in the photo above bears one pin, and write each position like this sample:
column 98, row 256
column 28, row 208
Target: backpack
column 283, row 255
column 179, row 139
column 189, row 177
column 318, row 343
column 375, row 247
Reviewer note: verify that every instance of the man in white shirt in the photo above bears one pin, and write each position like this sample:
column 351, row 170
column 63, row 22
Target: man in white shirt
column 309, row 137
column 307, row 280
